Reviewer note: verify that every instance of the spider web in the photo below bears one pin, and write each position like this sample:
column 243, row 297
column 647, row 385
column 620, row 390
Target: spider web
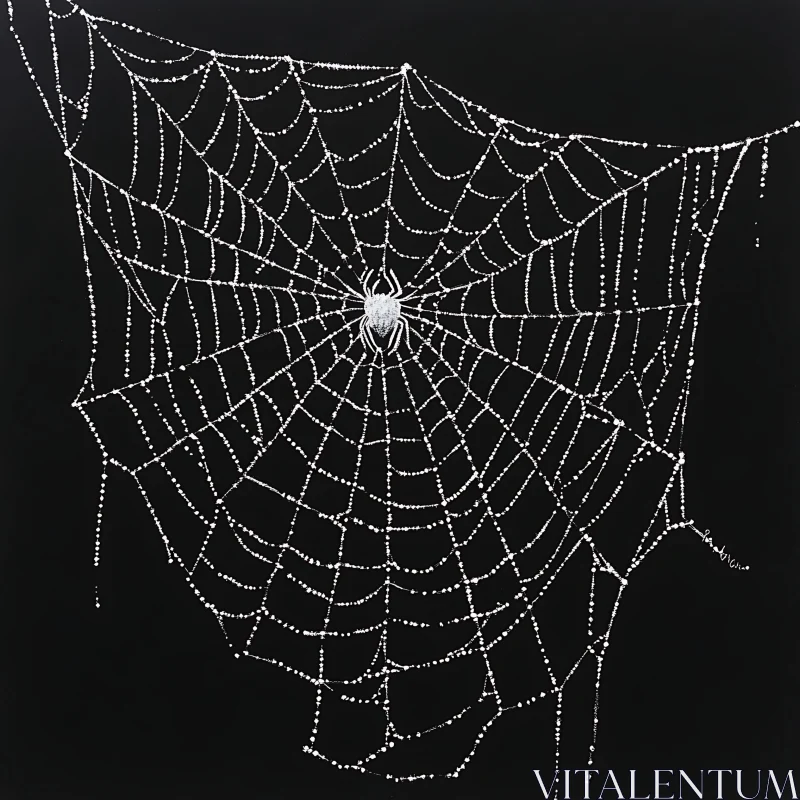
column 430, row 537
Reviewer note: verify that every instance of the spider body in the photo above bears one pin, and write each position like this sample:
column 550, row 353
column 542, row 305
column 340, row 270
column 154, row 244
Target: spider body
column 383, row 314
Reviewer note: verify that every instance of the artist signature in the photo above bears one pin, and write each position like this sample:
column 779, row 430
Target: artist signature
column 720, row 551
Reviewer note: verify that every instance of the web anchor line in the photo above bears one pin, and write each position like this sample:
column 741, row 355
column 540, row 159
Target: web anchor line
column 391, row 373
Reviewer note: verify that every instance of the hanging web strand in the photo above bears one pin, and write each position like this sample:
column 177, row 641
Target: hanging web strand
column 762, row 179
column 396, row 377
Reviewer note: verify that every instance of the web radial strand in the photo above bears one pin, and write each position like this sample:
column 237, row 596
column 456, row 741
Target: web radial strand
column 400, row 507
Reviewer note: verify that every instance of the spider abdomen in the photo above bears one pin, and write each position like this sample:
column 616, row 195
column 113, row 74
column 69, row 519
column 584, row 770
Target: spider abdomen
column 383, row 312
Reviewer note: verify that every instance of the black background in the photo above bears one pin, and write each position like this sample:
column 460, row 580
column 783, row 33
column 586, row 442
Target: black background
column 141, row 698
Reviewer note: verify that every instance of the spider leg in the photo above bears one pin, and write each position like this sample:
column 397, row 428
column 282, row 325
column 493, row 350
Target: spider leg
column 404, row 324
column 348, row 290
column 364, row 334
column 364, row 283
column 352, row 295
column 394, row 339
column 397, row 290
column 397, row 334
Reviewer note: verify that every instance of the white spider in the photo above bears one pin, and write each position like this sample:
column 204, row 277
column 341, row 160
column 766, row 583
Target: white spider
column 383, row 314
